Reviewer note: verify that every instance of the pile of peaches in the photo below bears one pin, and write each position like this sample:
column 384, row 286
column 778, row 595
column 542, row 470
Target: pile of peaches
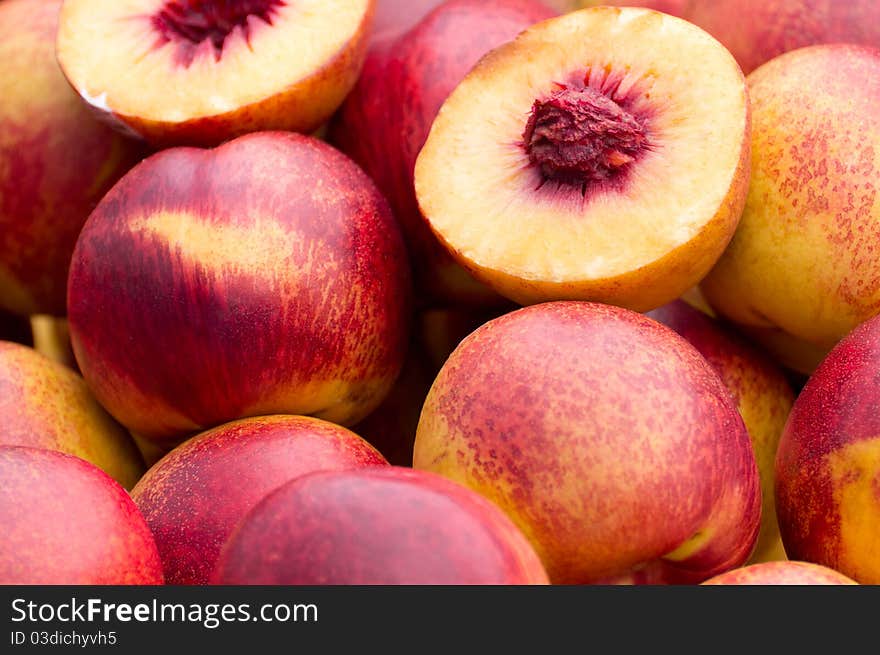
column 418, row 292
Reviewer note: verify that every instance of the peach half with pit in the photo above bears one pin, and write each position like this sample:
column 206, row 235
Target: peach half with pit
column 602, row 155
column 197, row 72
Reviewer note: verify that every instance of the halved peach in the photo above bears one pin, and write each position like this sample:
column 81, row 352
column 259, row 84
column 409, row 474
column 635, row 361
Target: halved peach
column 602, row 155
column 201, row 71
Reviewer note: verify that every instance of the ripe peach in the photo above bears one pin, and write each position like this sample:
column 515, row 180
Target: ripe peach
column 802, row 261
column 384, row 122
column 760, row 391
column 605, row 436
column 67, row 523
column 591, row 161
column 828, row 463
column 773, row 27
column 264, row 276
column 781, row 573
column 56, row 161
column 195, row 495
column 377, row 526
column 44, row 404
column 198, row 72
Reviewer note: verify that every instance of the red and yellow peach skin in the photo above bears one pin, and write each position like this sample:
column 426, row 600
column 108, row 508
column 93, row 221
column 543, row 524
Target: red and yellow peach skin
column 760, row 391
column 66, row 522
column 801, row 265
column 264, row 276
column 605, row 436
column 44, row 404
column 193, row 498
column 56, row 161
column 828, row 463
column 377, row 526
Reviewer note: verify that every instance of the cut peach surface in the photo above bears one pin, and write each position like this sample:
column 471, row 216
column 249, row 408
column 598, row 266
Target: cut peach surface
column 201, row 71
column 602, row 155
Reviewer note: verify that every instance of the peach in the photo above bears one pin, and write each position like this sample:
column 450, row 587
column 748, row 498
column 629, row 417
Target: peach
column 760, row 391
column 757, row 31
column 802, row 263
column 264, row 276
column 781, row 573
column 605, row 436
column 45, row 195
column 195, row 495
column 384, row 122
column 44, row 404
column 377, row 526
column 67, row 523
column 602, row 155
column 828, row 463
column 198, row 72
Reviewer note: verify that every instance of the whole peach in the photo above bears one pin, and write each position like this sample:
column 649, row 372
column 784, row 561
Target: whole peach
column 605, row 436
column 264, row 276
column 802, row 261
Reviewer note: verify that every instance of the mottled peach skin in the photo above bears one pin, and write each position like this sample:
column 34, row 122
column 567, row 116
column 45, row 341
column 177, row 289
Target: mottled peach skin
column 179, row 63
column 760, row 391
column 379, row 526
column 774, row 27
column 385, row 120
column 828, row 463
column 43, row 404
column 195, row 495
column 801, row 268
column 781, row 573
column 67, row 523
column 265, row 276
column 605, row 436
column 44, row 198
